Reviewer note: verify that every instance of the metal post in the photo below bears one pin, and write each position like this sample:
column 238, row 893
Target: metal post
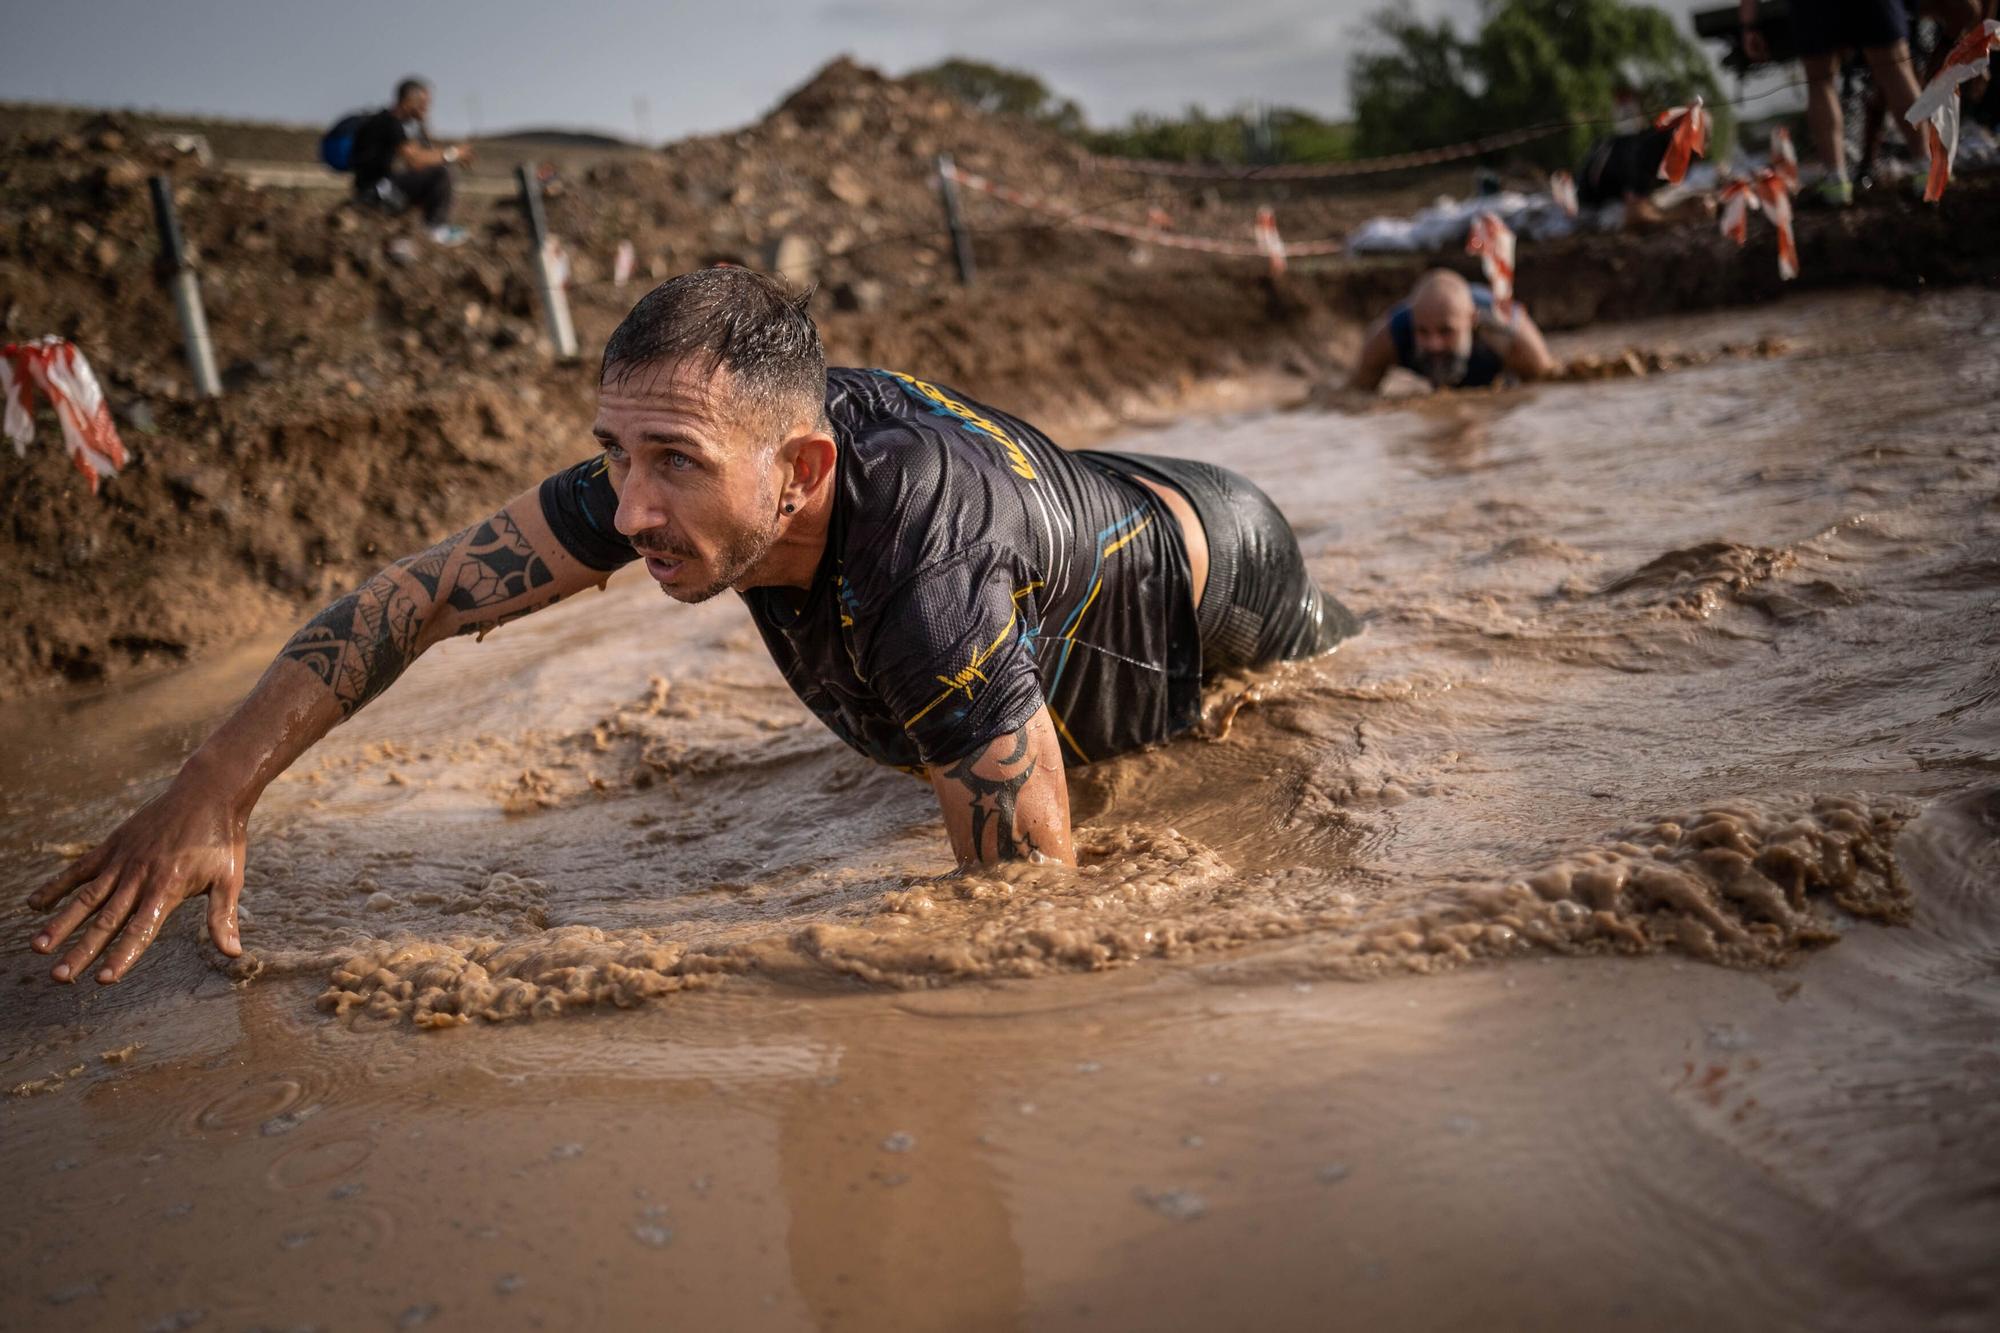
column 187, row 292
column 554, row 302
column 961, row 240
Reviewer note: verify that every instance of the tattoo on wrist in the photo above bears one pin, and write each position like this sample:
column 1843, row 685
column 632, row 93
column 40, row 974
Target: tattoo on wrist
column 994, row 800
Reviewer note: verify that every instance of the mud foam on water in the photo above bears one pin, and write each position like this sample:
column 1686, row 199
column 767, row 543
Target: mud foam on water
column 1655, row 807
column 1748, row 885
column 1613, row 697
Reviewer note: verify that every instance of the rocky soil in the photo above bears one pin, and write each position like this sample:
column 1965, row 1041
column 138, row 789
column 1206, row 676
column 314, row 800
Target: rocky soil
column 382, row 391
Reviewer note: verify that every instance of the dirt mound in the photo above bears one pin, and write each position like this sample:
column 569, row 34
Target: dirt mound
column 382, row 391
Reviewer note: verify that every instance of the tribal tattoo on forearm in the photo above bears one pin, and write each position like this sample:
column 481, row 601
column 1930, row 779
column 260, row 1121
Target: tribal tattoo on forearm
column 993, row 802
column 361, row 643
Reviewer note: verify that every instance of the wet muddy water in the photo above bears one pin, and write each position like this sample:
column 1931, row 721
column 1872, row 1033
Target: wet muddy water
column 1605, row 938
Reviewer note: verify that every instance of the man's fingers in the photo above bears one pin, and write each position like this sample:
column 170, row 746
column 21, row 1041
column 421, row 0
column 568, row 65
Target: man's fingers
column 103, row 925
column 140, row 932
column 222, row 897
column 87, row 900
column 79, row 870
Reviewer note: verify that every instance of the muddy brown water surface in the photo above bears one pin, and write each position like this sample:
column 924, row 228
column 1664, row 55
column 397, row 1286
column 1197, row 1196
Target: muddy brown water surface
column 591, row 984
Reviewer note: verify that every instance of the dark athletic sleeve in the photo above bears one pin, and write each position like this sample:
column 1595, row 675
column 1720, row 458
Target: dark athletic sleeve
column 946, row 655
column 581, row 507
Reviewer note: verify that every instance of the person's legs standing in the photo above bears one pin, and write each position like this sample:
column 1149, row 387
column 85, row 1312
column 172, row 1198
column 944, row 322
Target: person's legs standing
column 1897, row 80
column 1823, row 112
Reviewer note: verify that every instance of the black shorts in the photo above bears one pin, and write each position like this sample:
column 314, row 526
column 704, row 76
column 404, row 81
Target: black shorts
column 1829, row 27
column 1260, row 605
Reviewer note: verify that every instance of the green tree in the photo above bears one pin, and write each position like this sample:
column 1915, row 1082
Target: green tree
column 1304, row 137
column 1278, row 134
column 999, row 91
column 1416, row 89
column 1195, row 136
column 1532, row 62
column 1274, row 134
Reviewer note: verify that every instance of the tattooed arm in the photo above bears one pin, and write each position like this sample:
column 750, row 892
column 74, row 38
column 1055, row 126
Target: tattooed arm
column 468, row 583
column 1008, row 801
column 190, row 839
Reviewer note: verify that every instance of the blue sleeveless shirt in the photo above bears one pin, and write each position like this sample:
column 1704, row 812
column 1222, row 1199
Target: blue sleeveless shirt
column 1485, row 366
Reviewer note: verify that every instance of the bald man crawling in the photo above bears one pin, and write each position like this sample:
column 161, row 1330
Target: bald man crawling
column 1451, row 332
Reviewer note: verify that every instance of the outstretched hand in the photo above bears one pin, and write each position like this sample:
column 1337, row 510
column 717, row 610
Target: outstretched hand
column 182, row 843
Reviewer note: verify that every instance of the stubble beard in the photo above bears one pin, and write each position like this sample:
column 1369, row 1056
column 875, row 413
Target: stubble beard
column 740, row 552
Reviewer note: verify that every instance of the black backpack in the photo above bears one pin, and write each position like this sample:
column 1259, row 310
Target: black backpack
column 336, row 146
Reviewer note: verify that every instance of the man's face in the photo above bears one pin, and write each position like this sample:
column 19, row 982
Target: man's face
column 697, row 478
column 417, row 105
column 1443, row 332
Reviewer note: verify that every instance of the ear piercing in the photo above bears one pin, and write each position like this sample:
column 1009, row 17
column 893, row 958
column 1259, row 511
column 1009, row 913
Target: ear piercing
column 790, row 508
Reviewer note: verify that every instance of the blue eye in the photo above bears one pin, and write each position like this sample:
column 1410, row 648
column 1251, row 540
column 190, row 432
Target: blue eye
column 678, row 461
column 614, row 452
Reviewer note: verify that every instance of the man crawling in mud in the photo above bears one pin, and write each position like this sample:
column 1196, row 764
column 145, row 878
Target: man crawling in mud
column 942, row 585
column 1449, row 331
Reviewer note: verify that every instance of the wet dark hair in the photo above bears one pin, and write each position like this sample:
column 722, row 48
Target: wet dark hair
column 729, row 318
column 410, row 85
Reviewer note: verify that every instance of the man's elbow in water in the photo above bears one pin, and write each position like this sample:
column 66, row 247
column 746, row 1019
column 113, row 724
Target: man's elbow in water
column 1529, row 358
column 1532, row 366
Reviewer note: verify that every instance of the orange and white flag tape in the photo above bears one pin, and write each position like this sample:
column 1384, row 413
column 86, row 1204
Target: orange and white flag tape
column 1493, row 241
column 1936, row 107
column 1562, row 188
column 1785, row 158
column 60, row 371
column 1268, row 240
column 1690, row 139
column 1776, row 196
column 1738, row 198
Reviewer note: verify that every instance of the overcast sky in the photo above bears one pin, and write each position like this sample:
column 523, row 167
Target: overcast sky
column 698, row 65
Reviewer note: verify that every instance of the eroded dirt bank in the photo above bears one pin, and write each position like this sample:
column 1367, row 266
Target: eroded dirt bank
column 382, row 393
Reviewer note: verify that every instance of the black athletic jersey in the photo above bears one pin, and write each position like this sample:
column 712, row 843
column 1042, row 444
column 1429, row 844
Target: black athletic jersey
column 376, row 142
column 974, row 570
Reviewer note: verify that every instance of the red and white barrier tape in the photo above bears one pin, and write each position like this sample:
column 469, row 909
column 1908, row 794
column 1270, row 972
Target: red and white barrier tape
column 1785, row 158
column 1273, row 245
column 1771, row 191
column 1257, row 247
column 1562, row 189
column 60, row 371
column 1737, row 197
column 1936, row 108
column 1690, row 139
column 1327, row 170
column 1493, row 241
column 1777, row 198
